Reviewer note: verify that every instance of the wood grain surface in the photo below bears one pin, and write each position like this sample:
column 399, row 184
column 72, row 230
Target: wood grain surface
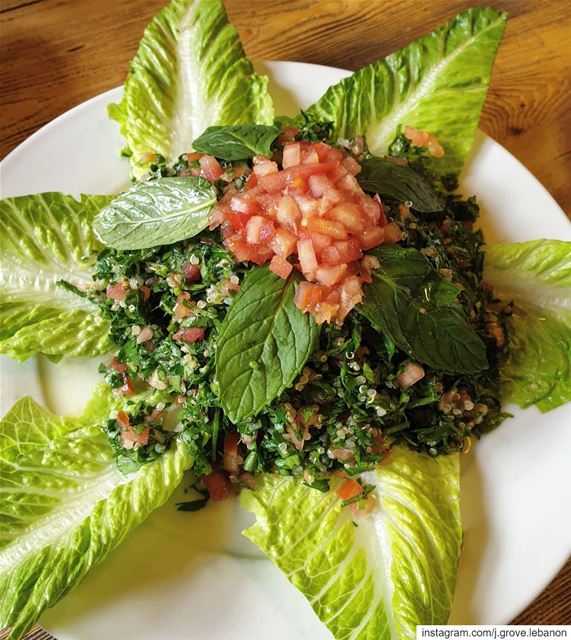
column 55, row 54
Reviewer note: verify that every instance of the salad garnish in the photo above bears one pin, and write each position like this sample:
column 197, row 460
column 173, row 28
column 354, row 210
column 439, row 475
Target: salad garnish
column 298, row 310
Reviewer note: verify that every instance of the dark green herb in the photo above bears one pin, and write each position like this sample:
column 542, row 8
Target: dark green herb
column 399, row 182
column 237, row 142
column 192, row 505
column 263, row 343
column 415, row 306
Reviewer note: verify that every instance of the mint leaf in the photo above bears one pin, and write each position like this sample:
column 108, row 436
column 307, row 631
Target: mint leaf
column 436, row 84
column 190, row 71
column 263, row 344
column 398, row 182
column 377, row 580
column 46, row 238
column 155, row 213
column 536, row 276
column 238, row 142
column 65, row 504
column 409, row 302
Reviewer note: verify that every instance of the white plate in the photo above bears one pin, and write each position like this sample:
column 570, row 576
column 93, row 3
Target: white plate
column 182, row 576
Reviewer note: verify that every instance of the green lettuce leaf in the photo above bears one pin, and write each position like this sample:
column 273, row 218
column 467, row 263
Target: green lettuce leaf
column 436, row 84
column 536, row 275
column 379, row 579
column 65, row 505
column 189, row 72
column 47, row 238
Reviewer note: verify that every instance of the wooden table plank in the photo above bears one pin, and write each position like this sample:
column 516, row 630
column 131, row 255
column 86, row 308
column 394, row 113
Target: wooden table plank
column 57, row 53
column 50, row 67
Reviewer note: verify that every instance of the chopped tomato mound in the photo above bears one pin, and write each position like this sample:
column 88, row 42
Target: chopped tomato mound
column 307, row 213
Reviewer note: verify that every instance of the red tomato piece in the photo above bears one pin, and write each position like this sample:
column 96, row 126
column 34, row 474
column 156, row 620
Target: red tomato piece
column 351, row 165
column 117, row 292
column 217, row 486
column 210, row 168
column 281, row 267
column 330, row 228
column 291, row 155
column 191, row 272
column 349, row 489
column 373, row 237
column 306, row 256
column 231, row 459
column 283, row 243
column 265, row 168
column 329, row 276
column 349, row 215
column 392, row 233
column 190, row 335
column 319, row 184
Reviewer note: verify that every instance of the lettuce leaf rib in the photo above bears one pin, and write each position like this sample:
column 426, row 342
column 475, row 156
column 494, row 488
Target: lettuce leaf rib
column 436, row 84
column 378, row 580
column 46, row 238
column 65, row 505
column 190, row 71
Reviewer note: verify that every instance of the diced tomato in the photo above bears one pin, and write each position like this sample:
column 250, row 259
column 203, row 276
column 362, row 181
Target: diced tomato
column 392, row 233
column 338, row 174
column 243, row 204
column 291, row 155
column 325, row 312
column 190, row 335
column 351, row 165
column 349, row 182
column 349, row 215
column 236, row 220
column 181, row 310
column 118, row 291
column 330, row 275
column 231, row 459
column 319, row 184
column 383, row 217
column 351, row 295
column 265, row 168
column 412, row 373
column 306, row 256
column 253, row 253
column 288, row 213
column 349, row 489
column 217, row 486
column 371, row 209
column 342, row 252
column 281, row 267
column 191, row 272
column 310, row 157
column 283, row 243
column 274, row 182
column 119, row 367
column 373, row 237
column 123, row 419
column 307, row 205
column 319, row 242
column 129, row 437
column 210, row 168
column 145, row 291
column 308, row 295
column 330, row 228
column 127, row 387
column 259, row 230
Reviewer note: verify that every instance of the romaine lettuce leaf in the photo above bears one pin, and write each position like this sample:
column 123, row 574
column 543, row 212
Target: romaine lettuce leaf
column 436, row 84
column 46, row 238
column 65, row 505
column 379, row 579
column 189, row 72
column 536, row 275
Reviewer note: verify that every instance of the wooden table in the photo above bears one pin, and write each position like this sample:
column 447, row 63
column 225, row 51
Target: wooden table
column 57, row 53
